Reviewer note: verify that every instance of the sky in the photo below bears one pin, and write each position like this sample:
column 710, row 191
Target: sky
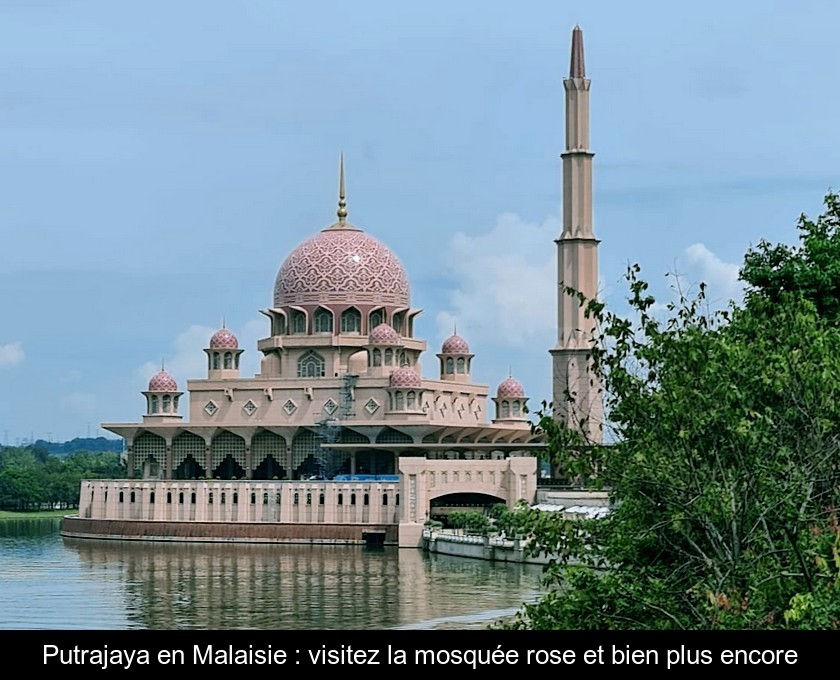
column 159, row 160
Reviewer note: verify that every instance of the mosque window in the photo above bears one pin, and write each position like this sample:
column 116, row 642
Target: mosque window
column 410, row 399
column 309, row 499
column 228, row 360
column 297, row 498
column 462, row 365
column 216, row 364
column 398, row 401
column 397, row 322
column 377, row 357
column 376, row 317
column 279, row 323
column 384, row 499
column 311, row 365
column 253, row 498
column 323, row 321
column 298, row 322
column 351, row 321
column 167, row 404
column 169, row 498
column 210, row 498
column 321, row 499
column 341, row 499
column 181, row 498
column 132, row 498
column 235, row 497
column 397, row 500
column 505, row 409
column 153, row 404
column 152, row 498
column 450, row 365
column 265, row 498
column 192, row 498
column 516, row 408
column 121, row 496
column 366, row 499
column 389, row 357
column 352, row 499
column 224, row 497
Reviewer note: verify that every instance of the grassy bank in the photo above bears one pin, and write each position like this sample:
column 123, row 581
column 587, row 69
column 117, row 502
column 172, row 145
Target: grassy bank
column 41, row 514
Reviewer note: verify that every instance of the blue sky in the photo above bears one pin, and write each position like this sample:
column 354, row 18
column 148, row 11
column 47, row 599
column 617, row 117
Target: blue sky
column 159, row 160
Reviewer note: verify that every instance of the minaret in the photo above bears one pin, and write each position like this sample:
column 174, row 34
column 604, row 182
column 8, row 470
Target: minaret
column 577, row 265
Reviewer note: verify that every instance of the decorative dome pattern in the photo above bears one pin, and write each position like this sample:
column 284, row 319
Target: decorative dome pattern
column 384, row 334
column 341, row 264
column 162, row 382
column 405, row 377
column 510, row 387
column 455, row 344
column 224, row 339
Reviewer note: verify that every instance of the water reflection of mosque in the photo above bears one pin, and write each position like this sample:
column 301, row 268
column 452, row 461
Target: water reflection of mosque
column 228, row 586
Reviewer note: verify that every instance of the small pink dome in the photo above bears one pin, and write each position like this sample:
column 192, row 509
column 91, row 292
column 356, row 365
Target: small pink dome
column 384, row 334
column 162, row 382
column 510, row 387
column 224, row 339
column 455, row 344
column 405, row 377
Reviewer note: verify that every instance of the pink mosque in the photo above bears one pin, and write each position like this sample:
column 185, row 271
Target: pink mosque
column 340, row 437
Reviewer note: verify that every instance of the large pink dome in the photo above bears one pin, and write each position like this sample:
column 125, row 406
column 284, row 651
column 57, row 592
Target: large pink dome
column 223, row 339
column 341, row 264
column 162, row 382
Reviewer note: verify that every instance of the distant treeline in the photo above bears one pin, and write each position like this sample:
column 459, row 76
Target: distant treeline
column 87, row 444
column 33, row 479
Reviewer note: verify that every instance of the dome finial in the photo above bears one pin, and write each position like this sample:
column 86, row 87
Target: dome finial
column 342, row 203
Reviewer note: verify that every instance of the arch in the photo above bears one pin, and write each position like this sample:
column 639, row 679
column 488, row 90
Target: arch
column 278, row 324
column 153, row 404
column 461, row 365
column 357, row 362
column 227, row 456
column 166, row 403
column 450, row 365
column 267, row 451
column 377, row 358
column 377, row 316
column 298, row 324
column 188, row 456
column 411, row 400
column 398, row 400
column 389, row 357
column 311, row 365
column 216, row 361
column 398, row 322
column 323, row 320
column 306, row 449
column 444, row 504
column 505, row 409
column 149, row 455
column 228, row 363
column 517, row 407
column 351, row 321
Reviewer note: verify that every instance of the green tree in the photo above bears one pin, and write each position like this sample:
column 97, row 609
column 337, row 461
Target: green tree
column 810, row 270
column 725, row 470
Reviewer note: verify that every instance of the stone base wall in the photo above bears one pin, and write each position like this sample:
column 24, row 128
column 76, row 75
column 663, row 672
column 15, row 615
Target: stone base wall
column 232, row 532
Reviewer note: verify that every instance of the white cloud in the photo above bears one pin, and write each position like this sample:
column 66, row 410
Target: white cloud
column 188, row 360
column 11, row 354
column 505, row 282
column 721, row 278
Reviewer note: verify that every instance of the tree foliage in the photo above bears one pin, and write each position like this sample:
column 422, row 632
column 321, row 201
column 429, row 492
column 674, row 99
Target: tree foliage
column 724, row 474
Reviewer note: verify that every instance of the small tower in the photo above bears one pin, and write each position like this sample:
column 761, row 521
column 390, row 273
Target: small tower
column 455, row 359
column 385, row 352
column 162, row 398
column 223, row 355
column 405, row 391
column 510, row 402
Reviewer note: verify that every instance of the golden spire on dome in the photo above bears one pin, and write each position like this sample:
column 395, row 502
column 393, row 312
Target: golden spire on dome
column 342, row 202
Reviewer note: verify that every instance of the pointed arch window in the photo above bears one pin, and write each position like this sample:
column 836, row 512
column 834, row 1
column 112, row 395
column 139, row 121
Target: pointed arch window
column 505, row 409
column 298, row 322
column 311, row 365
column 351, row 321
column 216, row 364
column 450, row 365
column 323, row 321
column 167, row 404
column 153, row 406
column 462, row 365
column 228, row 360
column 376, row 317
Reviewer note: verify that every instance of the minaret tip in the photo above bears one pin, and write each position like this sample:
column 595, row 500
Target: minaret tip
column 576, row 68
column 342, row 202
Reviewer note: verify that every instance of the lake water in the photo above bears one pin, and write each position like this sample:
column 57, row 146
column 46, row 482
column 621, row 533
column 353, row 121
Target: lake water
column 48, row 582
